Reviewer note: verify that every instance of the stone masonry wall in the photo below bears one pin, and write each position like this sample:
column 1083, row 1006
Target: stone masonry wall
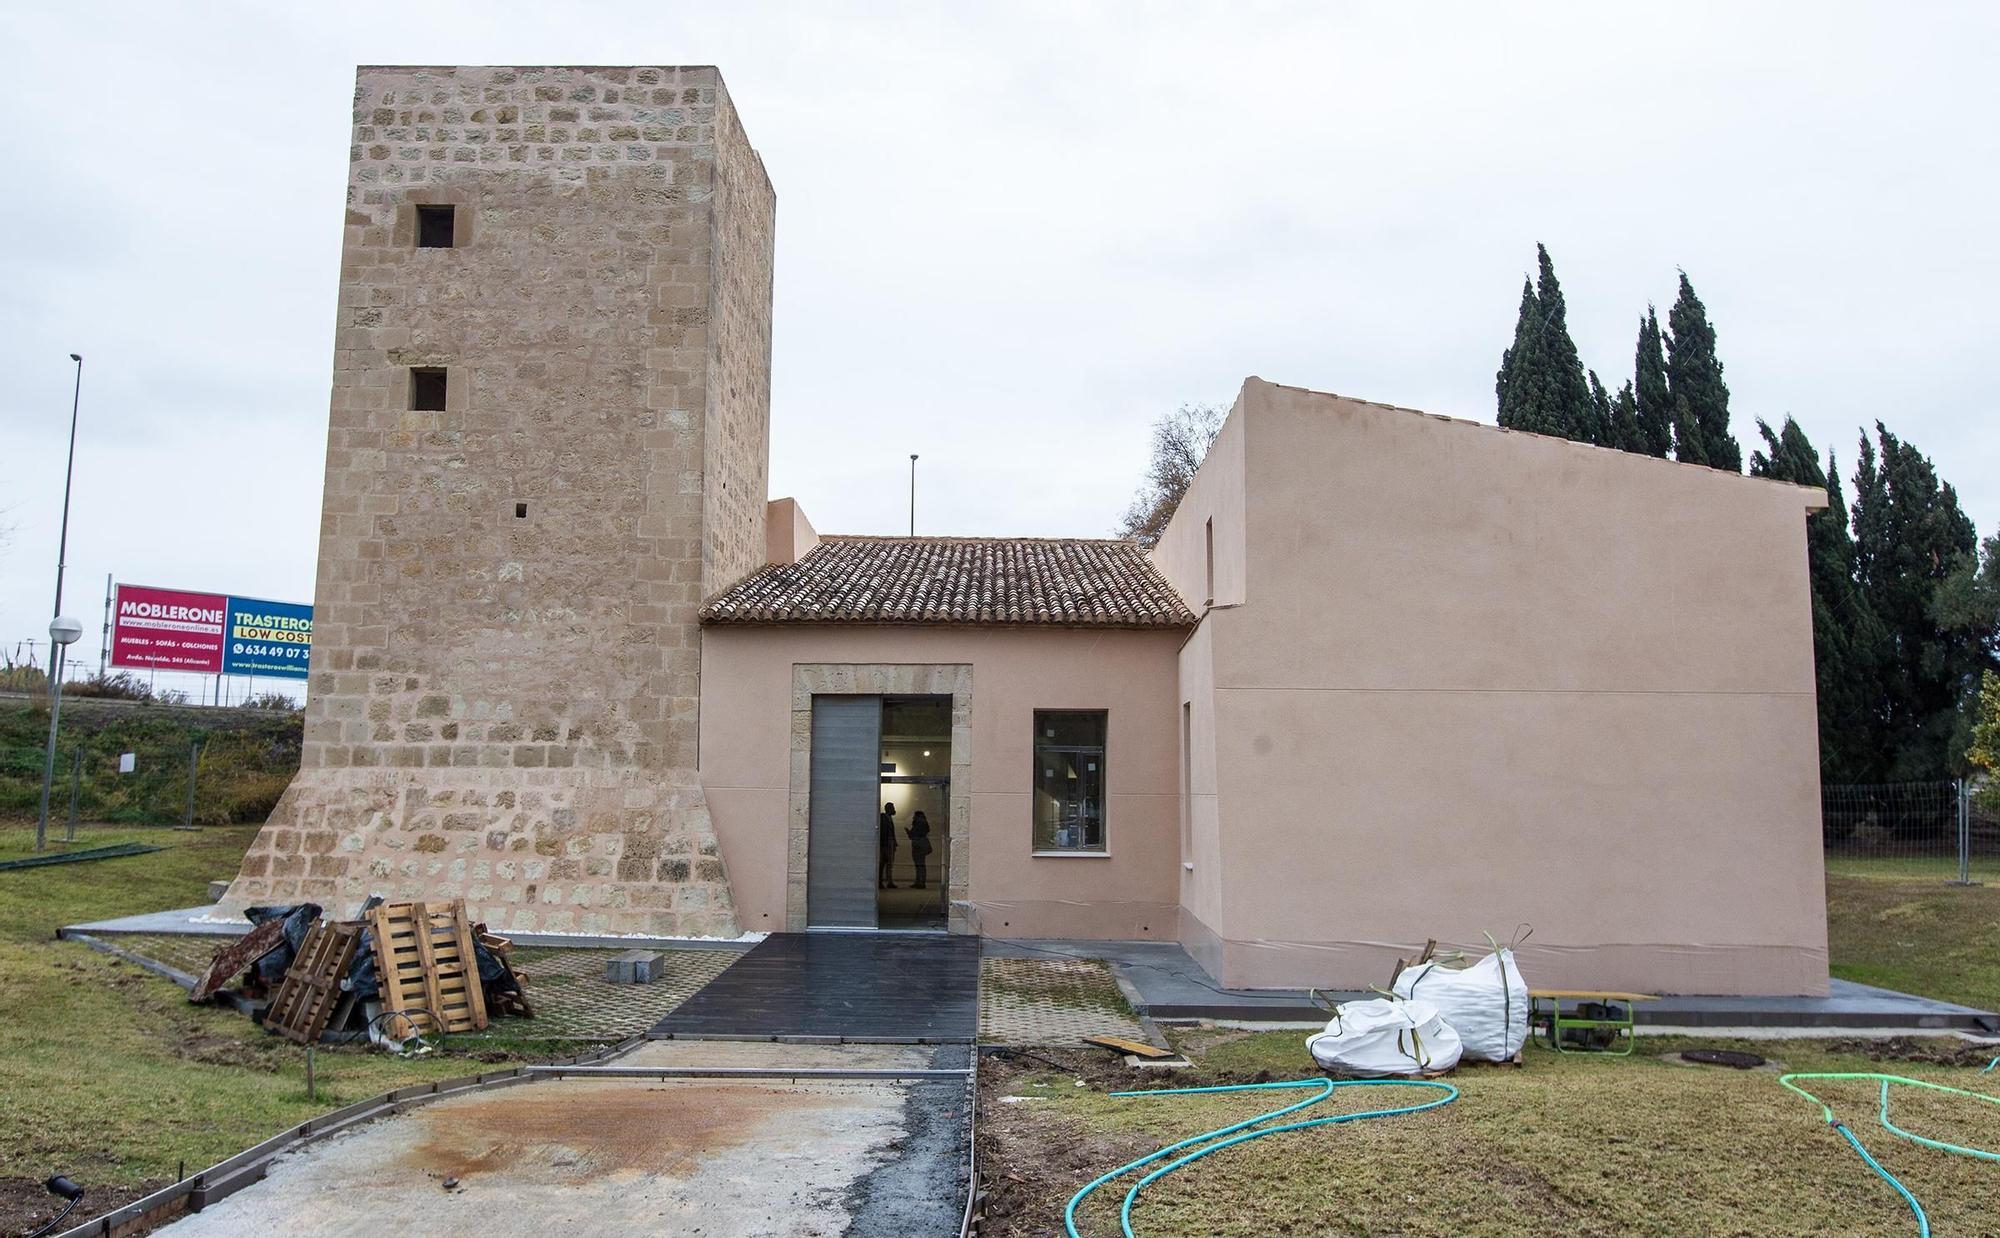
column 737, row 436
column 503, row 706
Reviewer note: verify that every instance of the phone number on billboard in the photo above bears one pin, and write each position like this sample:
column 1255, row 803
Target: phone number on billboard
column 291, row 653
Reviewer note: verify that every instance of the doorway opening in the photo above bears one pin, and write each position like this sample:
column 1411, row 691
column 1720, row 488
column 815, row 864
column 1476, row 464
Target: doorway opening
column 913, row 832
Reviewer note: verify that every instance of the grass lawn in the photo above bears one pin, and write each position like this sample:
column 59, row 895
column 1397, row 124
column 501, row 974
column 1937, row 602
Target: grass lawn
column 1930, row 868
column 107, row 1074
column 1569, row 1144
column 1917, row 936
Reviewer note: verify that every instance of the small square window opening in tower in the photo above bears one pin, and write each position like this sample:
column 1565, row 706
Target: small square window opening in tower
column 437, row 227
column 427, row 390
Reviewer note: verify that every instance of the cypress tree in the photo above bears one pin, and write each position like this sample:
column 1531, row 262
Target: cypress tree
column 1570, row 410
column 1909, row 537
column 1694, row 373
column 1625, row 431
column 1847, row 636
column 1518, row 365
column 1603, row 421
column 1654, row 404
column 1688, row 445
column 1541, row 385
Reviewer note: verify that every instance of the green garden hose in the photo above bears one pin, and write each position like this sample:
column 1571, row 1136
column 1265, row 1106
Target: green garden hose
column 1241, row 1132
column 1923, row 1222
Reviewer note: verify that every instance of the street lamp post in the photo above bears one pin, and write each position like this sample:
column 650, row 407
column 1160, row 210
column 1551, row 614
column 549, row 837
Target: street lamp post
column 62, row 632
column 69, row 471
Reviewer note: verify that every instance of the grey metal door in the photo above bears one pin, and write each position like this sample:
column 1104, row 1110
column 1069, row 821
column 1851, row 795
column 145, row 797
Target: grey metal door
column 844, row 817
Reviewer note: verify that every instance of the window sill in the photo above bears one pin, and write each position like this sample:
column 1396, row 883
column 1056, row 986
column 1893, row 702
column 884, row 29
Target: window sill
column 1069, row 855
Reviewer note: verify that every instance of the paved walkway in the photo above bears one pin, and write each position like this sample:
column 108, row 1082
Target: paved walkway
column 895, row 987
column 761, row 1158
column 1168, row 984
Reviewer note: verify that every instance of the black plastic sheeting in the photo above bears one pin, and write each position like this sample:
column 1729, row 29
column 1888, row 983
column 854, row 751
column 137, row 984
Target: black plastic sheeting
column 298, row 918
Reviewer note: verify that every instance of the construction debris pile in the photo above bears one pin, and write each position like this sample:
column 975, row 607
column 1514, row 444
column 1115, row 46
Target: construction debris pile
column 397, row 973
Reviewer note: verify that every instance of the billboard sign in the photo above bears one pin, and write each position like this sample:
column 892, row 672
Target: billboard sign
column 210, row 633
column 267, row 638
column 167, row 629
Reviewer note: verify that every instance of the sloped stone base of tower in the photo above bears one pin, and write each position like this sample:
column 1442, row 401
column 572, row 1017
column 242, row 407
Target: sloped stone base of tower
column 570, row 851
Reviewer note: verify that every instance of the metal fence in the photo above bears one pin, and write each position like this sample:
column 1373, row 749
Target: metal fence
column 212, row 779
column 1916, row 829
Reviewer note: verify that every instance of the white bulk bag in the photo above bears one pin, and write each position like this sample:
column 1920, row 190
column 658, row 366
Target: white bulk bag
column 1379, row 1037
column 1487, row 1002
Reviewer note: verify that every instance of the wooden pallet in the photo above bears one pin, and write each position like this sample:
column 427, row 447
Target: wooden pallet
column 428, row 972
column 306, row 997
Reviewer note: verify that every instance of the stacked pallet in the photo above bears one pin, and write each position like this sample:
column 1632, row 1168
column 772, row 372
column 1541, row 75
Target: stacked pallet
column 426, row 967
column 428, row 971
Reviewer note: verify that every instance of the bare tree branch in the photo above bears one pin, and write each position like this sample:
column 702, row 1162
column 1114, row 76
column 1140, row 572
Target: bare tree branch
column 1180, row 443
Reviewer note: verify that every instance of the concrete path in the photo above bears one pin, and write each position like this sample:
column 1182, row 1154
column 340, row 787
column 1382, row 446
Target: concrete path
column 714, row 1158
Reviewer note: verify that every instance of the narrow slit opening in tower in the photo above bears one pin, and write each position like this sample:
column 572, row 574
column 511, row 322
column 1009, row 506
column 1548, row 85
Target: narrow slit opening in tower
column 437, row 227
column 427, row 390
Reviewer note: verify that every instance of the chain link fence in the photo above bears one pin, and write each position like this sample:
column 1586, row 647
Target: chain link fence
column 1909, row 829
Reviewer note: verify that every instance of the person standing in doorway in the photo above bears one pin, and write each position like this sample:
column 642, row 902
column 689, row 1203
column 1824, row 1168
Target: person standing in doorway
column 920, row 844
column 885, row 860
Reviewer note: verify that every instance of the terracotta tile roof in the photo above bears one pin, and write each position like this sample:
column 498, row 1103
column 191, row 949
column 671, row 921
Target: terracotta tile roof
column 1052, row 582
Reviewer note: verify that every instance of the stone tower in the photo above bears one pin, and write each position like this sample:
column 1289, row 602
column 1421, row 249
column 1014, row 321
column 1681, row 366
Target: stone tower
column 547, row 443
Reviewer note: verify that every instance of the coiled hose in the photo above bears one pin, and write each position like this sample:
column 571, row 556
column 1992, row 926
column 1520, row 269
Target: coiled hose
column 1243, row 1132
column 1882, row 1115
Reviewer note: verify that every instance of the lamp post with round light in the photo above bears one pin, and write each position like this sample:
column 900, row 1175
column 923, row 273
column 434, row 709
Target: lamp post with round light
column 63, row 632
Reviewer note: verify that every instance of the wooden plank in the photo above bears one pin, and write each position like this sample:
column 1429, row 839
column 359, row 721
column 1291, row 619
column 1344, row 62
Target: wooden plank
column 470, row 955
column 1599, row 994
column 455, row 969
column 1137, row 1048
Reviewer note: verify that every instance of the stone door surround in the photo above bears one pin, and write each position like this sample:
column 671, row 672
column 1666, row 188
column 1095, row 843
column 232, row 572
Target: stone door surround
column 810, row 679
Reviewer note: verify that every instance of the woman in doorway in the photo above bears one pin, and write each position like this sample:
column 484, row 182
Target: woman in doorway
column 920, row 844
column 885, row 858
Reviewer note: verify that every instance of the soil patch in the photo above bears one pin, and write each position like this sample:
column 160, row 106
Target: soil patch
column 619, row 1129
column 26, row 1206
column 1929, row 1050
column 1033, row 1159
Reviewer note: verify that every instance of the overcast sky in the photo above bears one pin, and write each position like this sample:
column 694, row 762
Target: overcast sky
column 1011, row 235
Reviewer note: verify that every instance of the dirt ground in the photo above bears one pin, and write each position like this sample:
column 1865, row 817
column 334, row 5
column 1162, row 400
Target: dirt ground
column 1033, row 1160
column 27, row 1206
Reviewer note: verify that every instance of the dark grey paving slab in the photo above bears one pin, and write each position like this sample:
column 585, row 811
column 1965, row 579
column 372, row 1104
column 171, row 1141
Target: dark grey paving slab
column 1163, row 982
column 848, row 986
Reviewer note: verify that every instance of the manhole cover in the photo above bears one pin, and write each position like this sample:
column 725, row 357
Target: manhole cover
column 1723, row 1057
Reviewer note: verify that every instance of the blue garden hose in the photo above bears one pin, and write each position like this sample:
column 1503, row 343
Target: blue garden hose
column 1241, row 1132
